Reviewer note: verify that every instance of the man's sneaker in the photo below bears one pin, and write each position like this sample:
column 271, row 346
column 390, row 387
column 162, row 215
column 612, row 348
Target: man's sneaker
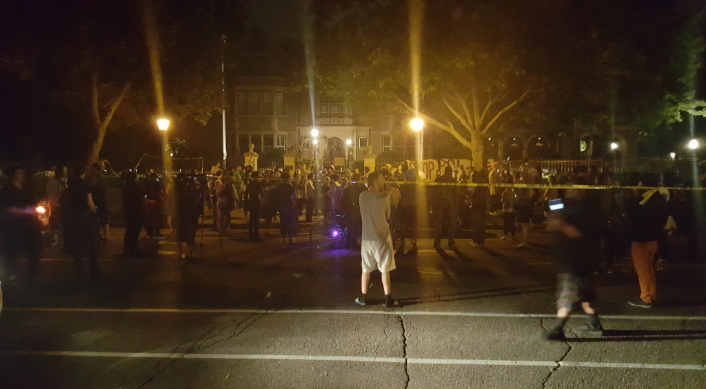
column 556, row 333
column 640, row 304
column 390, row 302
column 357, row 301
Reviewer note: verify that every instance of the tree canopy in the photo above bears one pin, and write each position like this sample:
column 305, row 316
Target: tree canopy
column 489, row 65
column 87, row 64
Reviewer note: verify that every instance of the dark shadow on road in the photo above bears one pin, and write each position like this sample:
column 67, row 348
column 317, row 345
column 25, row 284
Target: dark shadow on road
column 676, row 302
column 643, row 336
column 499, row 292
column 460, row 255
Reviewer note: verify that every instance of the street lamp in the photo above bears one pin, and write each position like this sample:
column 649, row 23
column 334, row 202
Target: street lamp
column 316, row 141
column 614, row 146
column 672, row 155
column 693, row 144
column 163, row 124
column 349, row 142
column 417, row 124
column 314, row 133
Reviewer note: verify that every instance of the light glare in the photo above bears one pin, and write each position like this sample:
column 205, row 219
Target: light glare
column 417, row 124
column 349, row 142
column 163, row 124
column 693, row 144
column 314, row 133
column 613, row 146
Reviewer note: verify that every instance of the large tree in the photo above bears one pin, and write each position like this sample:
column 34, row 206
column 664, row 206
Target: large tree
column 93, row 59
column 543, row 63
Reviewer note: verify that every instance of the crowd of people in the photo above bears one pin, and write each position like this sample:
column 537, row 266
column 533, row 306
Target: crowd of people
column 377, row 212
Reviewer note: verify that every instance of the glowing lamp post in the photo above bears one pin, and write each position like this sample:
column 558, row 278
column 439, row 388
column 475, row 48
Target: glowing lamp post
column 314, row 133
column 693, row 144
column 417, row 125
column 163, row 124
column 316, row 142
column 349, row 142
column 614, row 146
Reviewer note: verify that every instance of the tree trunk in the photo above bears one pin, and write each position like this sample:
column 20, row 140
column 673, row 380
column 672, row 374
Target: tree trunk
column 477, row 154
column 94, row 153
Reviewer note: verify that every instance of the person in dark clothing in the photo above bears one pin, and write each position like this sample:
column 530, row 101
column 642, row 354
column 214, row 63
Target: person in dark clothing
column 647, row 215
column 153, row 201
column 253, row 201
column 19, row 224
column 579, row 226
column 445, row 207
column 190, row 194
column 479, row 206
column 81, row 220
column 286, row 205
column 351, row 207
column 99, row 190
column 133, row 213
column 408, row 209
column 310, row 197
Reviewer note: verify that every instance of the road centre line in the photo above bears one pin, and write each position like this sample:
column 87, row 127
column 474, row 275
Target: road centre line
column 343, row 312
column 339, row 358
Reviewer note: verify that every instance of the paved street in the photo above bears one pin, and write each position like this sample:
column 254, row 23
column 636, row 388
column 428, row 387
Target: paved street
column 271, row 315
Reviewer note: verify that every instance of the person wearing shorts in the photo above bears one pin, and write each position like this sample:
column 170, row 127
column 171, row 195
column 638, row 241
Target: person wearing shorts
column 376, row 244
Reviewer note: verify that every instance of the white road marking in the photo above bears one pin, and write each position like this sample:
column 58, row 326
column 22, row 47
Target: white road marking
column 343, row 312
column 72, row 260
column 344, row 358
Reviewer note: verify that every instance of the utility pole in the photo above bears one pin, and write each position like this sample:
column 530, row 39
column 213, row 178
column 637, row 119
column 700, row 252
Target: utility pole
column 223, row 86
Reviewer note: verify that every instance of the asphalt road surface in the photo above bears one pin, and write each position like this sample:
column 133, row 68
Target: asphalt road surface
column 273, row 315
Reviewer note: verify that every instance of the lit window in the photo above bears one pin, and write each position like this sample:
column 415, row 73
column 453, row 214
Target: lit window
column 362, row 143
column 386, row 143
column 267, row 108
column 280, row 103
column 281, row 141
column 255, row 104
column 242, row 102
column 306, row 144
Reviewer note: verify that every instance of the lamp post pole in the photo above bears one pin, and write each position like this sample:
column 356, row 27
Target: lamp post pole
column 223, row 86
column 417, row 125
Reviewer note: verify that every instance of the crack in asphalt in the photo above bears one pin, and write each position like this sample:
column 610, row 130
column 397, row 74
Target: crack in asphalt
column 171, row 361
column 558, row 362
column 200, row 344
column 404, row 347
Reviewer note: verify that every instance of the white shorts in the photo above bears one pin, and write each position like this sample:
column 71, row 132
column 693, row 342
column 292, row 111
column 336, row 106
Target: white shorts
column 377, row 255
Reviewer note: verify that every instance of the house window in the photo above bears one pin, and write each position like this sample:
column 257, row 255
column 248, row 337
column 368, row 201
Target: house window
column 331, row 107
column 305, row 144
column 282, row 142
column 268, row 144
column 242, row 102
column 267, row 108
column 257, row 141
column 243, row 142
column 280, row 103
column 386, row 143
column 255, row 105
column 363, row 143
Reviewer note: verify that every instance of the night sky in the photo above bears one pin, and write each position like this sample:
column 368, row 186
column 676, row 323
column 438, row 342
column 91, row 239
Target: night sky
column 277, row 18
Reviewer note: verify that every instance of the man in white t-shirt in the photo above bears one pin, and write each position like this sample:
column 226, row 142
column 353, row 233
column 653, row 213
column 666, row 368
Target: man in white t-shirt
column 376, row 243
